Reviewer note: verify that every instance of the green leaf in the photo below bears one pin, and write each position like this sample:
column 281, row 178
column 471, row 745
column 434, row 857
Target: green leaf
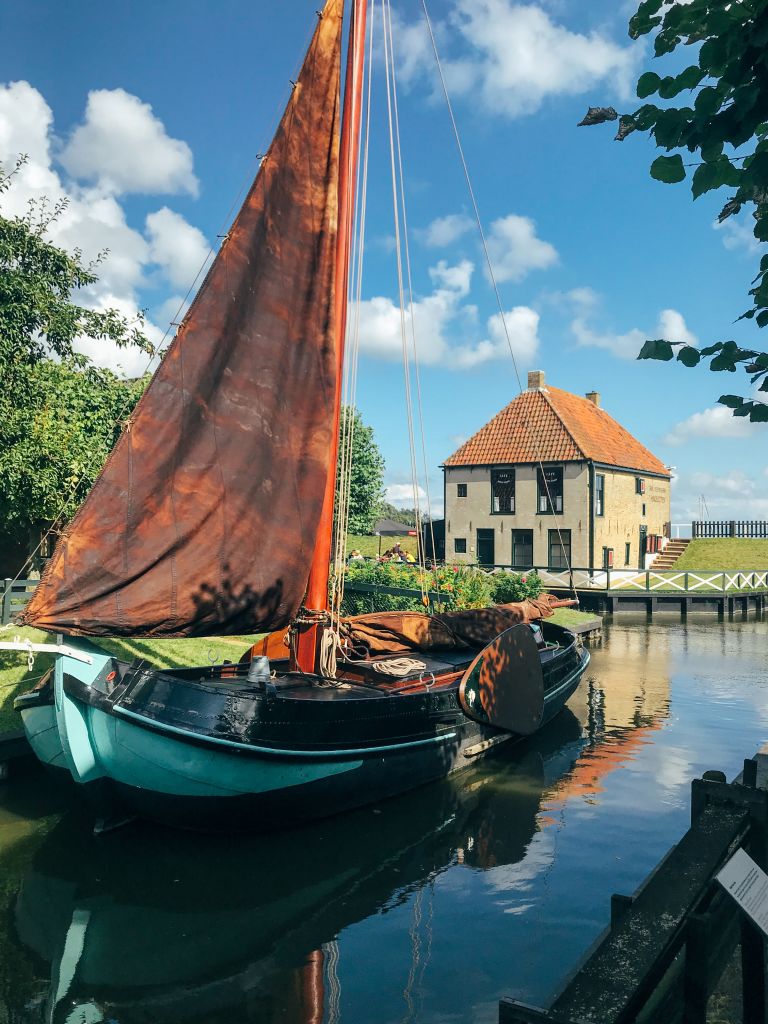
column 759, row 413
column 688, row 355
column 704, row 179
column 647, row 84
column 658, row 349
column 732, row 401
column 707, row 102
column 645, row 116
column 762, row 318
column 668, row 169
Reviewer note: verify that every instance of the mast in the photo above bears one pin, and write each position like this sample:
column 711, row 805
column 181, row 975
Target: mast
column 317, row 586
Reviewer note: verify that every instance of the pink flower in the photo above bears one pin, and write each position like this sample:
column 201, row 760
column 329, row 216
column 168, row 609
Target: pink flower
column 523, row 579
column 455, row 569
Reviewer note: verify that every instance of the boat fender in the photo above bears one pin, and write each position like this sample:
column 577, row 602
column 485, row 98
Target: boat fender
column 538, row 636
column 259, row 671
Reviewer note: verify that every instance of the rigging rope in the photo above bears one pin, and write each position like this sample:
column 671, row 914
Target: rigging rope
column 401, row 243
column 417, row 375
column 531, row 434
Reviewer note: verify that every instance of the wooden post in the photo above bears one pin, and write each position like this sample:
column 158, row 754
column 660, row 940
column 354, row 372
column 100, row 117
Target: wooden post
column 5, row 609
column 752, row 973
column 696, row 970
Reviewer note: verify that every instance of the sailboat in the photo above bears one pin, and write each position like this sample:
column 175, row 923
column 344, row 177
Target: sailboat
column 214, row 515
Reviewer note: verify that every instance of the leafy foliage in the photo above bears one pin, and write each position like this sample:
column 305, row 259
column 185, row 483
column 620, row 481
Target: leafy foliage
column 515, row 586
column 406, row 516
column 727, row 111
column 54, row 443
column 59, row 415
column 460, row 587
column 38, row 318
column 366, row 470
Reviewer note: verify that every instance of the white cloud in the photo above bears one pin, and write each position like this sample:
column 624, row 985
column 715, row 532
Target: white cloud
column 738, row 233
column 125, row 148
column 521, row 334
column 515, row 56
column 445, row 230
column 95, row 221
column 178, row 247
column 515, row 250
column 625, row 346
column 731, row 495
column 670, row 325
column 437, row 318
column 717, row 421
column 402, row 495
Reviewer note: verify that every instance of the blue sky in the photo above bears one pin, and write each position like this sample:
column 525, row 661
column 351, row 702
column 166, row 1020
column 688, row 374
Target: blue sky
column 150, row 116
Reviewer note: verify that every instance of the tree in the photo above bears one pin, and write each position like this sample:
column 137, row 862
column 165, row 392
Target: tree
column 406, row 516
column 54, row 444
column 59, row 414
column 366, row 469
column 38, row 318
column 727, row 111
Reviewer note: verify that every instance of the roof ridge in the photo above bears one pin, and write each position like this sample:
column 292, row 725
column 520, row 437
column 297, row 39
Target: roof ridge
column 576, row 444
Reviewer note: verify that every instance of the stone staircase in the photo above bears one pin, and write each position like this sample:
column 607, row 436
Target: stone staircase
column 670, row 554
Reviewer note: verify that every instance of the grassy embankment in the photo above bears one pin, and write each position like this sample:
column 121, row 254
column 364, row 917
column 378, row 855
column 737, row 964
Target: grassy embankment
column 728, row 553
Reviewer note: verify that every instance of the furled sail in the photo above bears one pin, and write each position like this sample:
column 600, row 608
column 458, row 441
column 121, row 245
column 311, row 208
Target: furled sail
column 204, row 518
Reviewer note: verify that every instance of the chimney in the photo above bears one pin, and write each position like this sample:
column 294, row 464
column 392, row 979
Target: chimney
column 535, row 380
column 594, row 398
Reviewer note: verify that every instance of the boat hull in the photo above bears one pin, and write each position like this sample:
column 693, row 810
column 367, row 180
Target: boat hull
column 135, row 753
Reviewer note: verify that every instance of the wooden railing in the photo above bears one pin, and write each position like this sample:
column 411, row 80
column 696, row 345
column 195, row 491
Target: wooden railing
column 688, row 581
column 728, row 528
column 14, row 595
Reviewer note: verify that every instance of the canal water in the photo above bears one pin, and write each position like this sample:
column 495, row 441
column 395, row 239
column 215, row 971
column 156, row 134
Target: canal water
column 426, row 908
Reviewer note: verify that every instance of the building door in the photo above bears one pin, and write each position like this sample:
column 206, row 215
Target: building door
column 643, row 545
column 522, row 549
column 485, row 548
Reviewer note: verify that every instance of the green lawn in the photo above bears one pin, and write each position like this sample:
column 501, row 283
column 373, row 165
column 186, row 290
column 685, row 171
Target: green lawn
column 15, row 678
column 369, row 546
column 724, row 553
column 569, row 617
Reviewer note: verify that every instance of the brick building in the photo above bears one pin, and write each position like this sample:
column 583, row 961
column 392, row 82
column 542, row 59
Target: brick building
column 554, row 481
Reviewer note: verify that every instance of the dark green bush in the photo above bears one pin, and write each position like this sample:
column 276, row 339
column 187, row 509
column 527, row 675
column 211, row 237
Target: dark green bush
column 515, row 586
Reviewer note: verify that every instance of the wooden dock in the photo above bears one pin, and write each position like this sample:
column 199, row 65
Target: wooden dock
column 666, row 947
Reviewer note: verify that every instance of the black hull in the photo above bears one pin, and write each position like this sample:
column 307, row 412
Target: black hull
column 206, row 749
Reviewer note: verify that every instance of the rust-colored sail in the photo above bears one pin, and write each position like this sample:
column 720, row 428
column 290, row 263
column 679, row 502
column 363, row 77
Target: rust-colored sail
column 204, row 519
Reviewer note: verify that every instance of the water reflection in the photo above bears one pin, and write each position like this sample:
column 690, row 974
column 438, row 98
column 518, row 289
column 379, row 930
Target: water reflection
column 428, row 907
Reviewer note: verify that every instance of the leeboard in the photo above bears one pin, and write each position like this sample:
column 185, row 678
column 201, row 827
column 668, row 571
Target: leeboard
column 504, row 685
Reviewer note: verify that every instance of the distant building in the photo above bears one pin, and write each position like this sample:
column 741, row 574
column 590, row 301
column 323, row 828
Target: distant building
column 554, row 481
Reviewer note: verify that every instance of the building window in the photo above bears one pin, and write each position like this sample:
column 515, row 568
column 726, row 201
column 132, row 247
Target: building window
column 643, row 508
column 460, row 545
column 639, row 485
column 627, row 553
column 461, row 490
column 607, row 558
column 550, row 497
column 599, row 495
column 502, row 490
column 559, row 549
column 522, row 549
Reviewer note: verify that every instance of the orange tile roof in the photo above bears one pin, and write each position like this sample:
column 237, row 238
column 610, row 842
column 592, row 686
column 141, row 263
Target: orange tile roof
column 552, row 425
